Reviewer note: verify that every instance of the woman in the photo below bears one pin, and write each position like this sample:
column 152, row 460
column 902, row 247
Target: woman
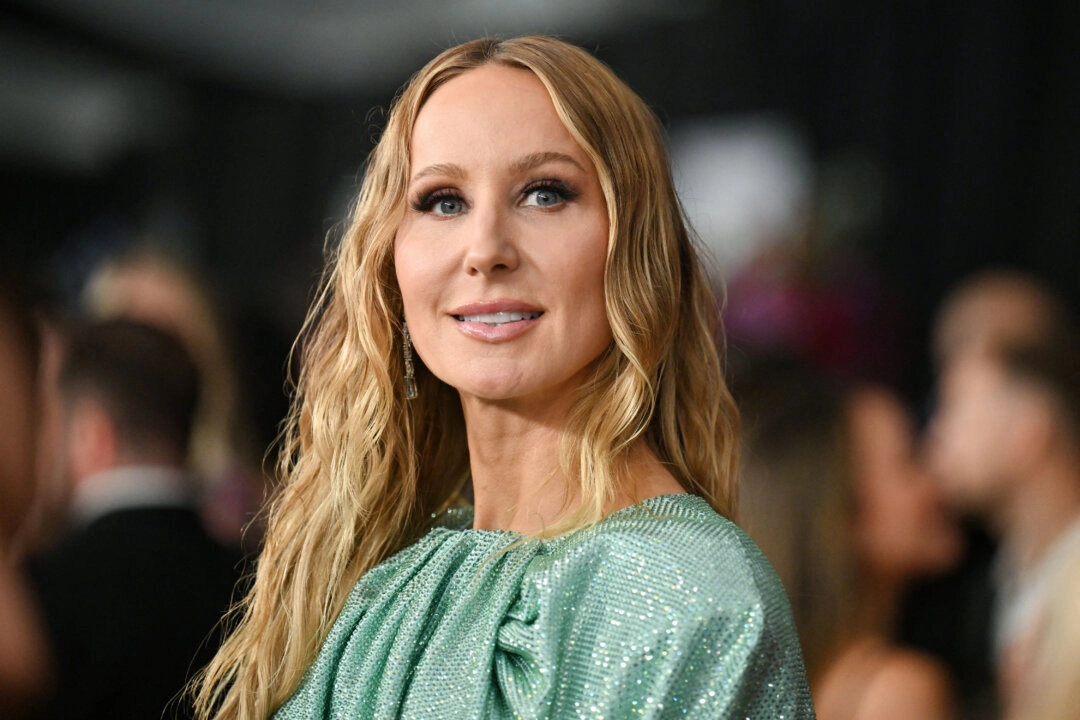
column 837, row 499
column 516, row 305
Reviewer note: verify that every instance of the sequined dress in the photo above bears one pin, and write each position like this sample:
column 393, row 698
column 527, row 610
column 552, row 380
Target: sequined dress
column 664, row 609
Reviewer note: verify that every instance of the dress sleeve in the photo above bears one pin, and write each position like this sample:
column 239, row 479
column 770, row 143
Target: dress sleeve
column 631, row 626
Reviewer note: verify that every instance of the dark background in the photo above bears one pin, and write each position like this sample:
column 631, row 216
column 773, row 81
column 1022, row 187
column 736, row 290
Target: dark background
column 244, row 162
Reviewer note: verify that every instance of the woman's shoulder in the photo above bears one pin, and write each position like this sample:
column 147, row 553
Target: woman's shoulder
column 671, row 593
column 676, row 541
column 683, row 523
column 884, row 682
column 913, row 681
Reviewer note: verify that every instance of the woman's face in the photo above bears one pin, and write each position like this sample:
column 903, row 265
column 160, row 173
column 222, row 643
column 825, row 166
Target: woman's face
column 500, row 257
column 902, row 529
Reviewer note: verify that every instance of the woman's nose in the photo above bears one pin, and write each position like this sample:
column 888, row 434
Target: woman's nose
column 492, row 242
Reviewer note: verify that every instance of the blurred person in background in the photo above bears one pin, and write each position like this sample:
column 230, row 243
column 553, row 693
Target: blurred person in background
column 46, row 518
column 835, row 495
column 23, row 662
column 147, row 284
column 1050, row 690
column 1006, row 448
column 989, row 309
column 132, row 593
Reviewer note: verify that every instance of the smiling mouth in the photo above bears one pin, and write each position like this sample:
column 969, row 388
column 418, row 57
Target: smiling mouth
column 499, row 318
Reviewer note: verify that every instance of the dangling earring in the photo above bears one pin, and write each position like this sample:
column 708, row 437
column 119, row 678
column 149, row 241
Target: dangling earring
column 410, row 371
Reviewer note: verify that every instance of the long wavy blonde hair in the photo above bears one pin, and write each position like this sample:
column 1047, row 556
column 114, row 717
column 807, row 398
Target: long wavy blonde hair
column 364, row 469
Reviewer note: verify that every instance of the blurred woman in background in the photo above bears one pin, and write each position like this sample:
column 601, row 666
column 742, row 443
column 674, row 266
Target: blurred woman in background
column 835, row 496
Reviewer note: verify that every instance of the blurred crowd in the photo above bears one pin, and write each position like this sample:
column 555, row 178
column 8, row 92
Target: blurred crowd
column 130, row 484
column 857, row 500
column 930, row 546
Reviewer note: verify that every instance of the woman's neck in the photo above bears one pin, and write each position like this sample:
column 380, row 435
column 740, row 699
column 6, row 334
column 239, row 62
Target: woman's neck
column 880, row 607
column 514, row 462
column 517, row 478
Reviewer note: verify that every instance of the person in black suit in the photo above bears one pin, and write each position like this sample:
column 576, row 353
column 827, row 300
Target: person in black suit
column 133, row 594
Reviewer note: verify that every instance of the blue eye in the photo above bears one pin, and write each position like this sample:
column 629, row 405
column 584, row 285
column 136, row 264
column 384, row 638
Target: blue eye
column 544, row 197
column 446, row 206
column 548, row 194
column 440, row 202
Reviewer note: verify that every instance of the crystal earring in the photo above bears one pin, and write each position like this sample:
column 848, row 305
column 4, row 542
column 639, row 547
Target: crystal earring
column 410, row 371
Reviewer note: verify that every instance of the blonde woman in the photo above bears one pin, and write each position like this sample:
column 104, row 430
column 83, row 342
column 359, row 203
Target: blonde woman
column 516, row 305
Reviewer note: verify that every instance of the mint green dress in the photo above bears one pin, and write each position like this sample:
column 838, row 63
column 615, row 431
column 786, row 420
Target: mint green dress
column 662, row 610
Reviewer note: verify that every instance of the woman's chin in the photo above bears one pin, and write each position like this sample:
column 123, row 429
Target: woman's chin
column 492, row 391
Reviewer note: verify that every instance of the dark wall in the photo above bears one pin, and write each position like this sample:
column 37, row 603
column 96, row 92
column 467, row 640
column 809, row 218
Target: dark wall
column 971, row 109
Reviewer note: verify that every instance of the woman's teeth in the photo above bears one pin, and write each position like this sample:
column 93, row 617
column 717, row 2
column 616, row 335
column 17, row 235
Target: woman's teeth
column 499, row 318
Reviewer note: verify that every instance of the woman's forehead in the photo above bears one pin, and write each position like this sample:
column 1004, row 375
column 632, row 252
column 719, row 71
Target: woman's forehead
column 491, row 113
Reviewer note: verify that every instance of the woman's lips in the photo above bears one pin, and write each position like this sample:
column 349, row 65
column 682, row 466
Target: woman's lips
column 498, row 318
column 496, row 322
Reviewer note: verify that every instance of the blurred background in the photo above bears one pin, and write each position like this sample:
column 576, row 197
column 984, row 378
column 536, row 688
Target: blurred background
column 917, row 140
column 848, row 163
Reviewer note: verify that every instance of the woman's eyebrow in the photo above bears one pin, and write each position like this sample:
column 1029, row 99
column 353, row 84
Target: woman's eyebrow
column 444, row 169
column 536, row 159
column 521, row 165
